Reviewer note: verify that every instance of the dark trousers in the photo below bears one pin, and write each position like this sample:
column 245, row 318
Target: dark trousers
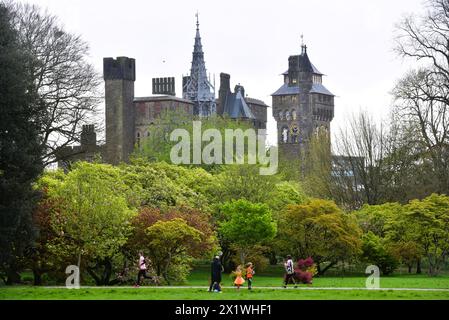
column 142, row 273
column 250, row 283
column 288, row 278
column 215, row 280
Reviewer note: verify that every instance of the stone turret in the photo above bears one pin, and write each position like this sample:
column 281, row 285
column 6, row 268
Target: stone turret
column 119, row 75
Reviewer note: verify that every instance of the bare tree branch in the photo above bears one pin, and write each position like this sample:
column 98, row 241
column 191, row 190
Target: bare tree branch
column 65, row 81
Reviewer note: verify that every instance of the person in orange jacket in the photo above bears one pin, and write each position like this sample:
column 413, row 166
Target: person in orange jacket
column 249, row 274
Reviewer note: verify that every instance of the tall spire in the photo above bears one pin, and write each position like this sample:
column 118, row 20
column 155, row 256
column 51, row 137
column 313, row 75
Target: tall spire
column 303, row 46
column 198, row 47
column 197, row 21
column 198, row 88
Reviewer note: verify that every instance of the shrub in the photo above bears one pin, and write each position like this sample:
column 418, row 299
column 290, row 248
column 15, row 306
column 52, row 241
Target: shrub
column 305, row 271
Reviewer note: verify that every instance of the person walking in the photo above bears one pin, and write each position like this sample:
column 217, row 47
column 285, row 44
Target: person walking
column 289, row 272
column 216, row 270
column 239, row 281
column 142, row 270
column 249, row 274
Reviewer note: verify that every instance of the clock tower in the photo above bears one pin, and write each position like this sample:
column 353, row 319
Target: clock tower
column 301, row 107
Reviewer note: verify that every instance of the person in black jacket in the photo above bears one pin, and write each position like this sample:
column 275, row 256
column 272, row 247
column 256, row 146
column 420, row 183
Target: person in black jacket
column 216, row 270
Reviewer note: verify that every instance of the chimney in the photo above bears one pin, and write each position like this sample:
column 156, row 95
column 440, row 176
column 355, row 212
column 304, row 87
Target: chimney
column 225, row 89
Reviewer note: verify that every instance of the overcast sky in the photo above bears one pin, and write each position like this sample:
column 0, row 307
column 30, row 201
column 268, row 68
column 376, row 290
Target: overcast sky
column 350, row 41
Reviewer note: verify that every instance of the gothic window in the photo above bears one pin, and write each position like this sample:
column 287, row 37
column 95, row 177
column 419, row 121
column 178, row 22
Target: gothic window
column 138, row 139
column 294, row 115
column 281, row 115
column 288, row 116
column 285, row 135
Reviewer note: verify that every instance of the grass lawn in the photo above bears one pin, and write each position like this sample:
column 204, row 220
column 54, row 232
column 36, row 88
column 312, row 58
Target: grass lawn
column 272, row 279
column 274, row 275
column 30, row 293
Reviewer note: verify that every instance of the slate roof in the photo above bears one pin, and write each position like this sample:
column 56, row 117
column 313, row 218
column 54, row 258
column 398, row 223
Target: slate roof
column 319, row 88
column 285, row 90
column 256, row 101
column 315, row 71
column 236, row 106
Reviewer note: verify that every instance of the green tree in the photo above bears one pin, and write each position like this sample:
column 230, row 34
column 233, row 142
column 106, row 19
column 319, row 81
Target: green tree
column 244, row 182
column 20, row 150
column 426, row 223
column 169, row 246
column 92, row 218
column 194, row 218
column 376, row 218
column 319, row 229
column 285, row 193
column 376, row 251
column 393, row 242
column 163, row 185
column 245, row 225
column 407, row 252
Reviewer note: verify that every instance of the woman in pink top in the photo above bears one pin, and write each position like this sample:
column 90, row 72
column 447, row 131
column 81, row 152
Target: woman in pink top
column 142, row 270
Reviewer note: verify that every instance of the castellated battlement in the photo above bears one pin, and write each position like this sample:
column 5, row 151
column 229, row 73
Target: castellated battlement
column 89, row 136
column 88, row 128
column 121, row 68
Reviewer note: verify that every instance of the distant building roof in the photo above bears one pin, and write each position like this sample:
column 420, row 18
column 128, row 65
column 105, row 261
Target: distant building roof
column 319, row 88
column 286, row 90
column 256, row 101
column 236, row 107
column 315, row 71
column 161, row 98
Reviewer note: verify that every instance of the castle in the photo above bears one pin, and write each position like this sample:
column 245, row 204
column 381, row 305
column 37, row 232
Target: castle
column 301, row 106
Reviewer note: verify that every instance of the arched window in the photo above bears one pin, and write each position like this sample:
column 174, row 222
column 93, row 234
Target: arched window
column 281, row 115
column 294, row 115
column 288, row 115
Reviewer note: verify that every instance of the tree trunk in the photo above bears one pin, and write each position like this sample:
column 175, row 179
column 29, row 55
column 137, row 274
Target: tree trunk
column 97, row 279
column 322, row 271
column 273, row 259
column 107, row 272
column 410, row 268
column 37, row 274
column 418, row 267
column 12, row 276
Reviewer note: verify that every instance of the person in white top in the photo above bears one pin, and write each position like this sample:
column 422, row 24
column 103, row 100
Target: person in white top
column 289, row 272
column 142, row 269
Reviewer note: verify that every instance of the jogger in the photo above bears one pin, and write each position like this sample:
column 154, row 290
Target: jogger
column 142, row 270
